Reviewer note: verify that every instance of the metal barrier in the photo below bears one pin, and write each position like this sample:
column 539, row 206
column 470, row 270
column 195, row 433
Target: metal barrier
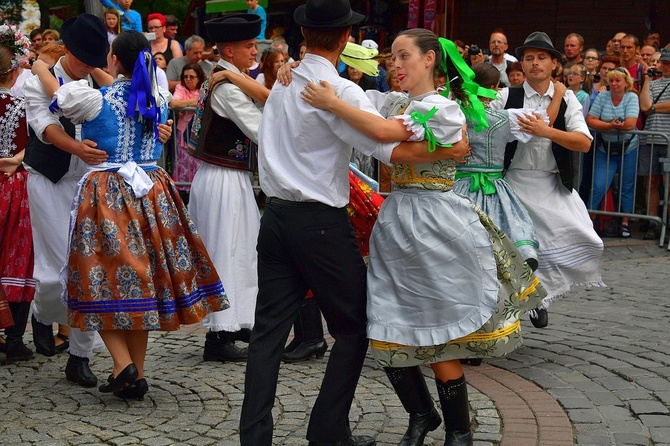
column 171, row 147
column 610, row 164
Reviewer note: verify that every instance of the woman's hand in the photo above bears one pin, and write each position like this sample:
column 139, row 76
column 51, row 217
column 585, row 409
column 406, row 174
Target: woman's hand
column 560, row 88
column 39, row 66
column 461, row 150
column 284, row 72
column 616, row 124
column 219, row 76
column 322, row 97
column 165, row 131
column 9, row 165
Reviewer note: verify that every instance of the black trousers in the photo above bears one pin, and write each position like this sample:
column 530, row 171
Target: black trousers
column 305, row 246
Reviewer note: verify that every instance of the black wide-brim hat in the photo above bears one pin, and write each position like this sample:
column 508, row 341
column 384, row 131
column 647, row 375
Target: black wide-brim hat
column 85, row 36
column 233, row 27
column 540, row 41
column 326, row 14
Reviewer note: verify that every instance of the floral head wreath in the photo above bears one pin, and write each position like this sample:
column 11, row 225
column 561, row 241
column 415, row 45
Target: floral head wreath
column 12, row 38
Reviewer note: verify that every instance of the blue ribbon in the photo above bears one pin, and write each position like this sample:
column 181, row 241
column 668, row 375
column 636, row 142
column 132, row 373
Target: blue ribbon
column 143, row 89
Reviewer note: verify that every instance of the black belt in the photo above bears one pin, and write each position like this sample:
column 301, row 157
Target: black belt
column 274, row 201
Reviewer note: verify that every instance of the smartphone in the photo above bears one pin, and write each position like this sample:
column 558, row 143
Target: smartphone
column 150, row 36
column 618, row 120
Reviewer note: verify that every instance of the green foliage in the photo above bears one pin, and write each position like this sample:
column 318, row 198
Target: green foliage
column 177, row 7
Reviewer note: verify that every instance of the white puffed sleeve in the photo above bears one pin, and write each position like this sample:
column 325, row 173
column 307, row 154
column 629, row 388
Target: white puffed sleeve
column 77, row 101
column 446, row 123
column 515, row 114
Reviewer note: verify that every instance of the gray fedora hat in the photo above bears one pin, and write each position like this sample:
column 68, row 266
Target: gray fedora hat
column 326, row 14
column 540, row 41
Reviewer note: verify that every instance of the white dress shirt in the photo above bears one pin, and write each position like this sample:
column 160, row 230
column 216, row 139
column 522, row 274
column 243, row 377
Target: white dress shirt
column 536, row 154
column 304, row 152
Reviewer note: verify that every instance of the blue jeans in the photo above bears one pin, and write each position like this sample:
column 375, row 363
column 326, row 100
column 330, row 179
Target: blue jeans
column 604, row 174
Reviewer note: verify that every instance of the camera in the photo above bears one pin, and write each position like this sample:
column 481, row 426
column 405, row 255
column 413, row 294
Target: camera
column 596, row 77
column 618, row 120
column 473, row 50
column 653, row 72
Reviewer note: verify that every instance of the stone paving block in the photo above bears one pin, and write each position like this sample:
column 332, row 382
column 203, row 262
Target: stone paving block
column 576, row 403
column 654, row 384
column 655, row 420
column 589, row 440
column 585, row 416
column 646, row 407
column 631, row 439
column 615, row 383
column 604, row 398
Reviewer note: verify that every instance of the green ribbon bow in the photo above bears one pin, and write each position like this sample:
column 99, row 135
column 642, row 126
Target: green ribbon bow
column 474, row 111
column 481, row 180
column 422, row 120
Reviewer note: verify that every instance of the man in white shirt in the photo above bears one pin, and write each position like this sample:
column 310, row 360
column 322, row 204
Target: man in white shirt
column 222, row 202
column 52, row 184
column 306, row 240
column 541, row 173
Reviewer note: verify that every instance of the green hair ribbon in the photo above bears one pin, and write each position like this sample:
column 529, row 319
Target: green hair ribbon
column 474, row 111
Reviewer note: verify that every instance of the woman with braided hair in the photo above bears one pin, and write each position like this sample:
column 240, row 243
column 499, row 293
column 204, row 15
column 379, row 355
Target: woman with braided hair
column 444, row 283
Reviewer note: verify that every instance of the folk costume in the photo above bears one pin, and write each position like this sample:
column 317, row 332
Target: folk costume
column 52, row 184
column 17, row 286
column 541, row 174
column 135, row 260
column 417, row 315
column 480, row 179
column 222, row 201
column 306, row 240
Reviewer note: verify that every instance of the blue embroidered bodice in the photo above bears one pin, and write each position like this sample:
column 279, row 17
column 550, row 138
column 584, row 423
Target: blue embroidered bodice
column 123, row 138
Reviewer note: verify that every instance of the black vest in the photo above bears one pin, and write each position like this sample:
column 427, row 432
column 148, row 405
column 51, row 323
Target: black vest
column 48, row 159
column 562, row 155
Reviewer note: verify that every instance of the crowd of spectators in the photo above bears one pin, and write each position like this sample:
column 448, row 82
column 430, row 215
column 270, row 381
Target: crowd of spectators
column 584, row 70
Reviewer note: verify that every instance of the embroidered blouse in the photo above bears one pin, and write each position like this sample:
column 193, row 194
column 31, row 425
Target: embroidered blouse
column 13, row 127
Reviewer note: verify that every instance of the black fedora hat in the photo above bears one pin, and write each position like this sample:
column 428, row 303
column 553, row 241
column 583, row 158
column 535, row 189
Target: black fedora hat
column 85, row 36
column 233, row 27
column 326, row 14
column 540, row 41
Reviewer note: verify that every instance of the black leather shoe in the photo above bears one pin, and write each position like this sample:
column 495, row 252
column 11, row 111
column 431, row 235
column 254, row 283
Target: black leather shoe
column 78, row 371
column 135, row 391
column 219, row 347
column 16, row 350
column 458, row 438
column 60, row 348
column 43, row 338
column 305, row 351
column 539, row 317
column 355, row 440
column 127, row 376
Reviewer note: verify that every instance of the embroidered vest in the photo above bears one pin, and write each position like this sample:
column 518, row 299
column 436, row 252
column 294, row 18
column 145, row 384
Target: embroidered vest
column 219, row 140
column 562, row 155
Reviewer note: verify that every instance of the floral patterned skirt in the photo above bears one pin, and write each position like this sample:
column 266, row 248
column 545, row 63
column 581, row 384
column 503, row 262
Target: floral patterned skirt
column 16, row 239
column 137, row 263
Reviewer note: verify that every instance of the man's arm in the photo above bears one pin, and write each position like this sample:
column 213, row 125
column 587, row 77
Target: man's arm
column 417, row 152
column 536, row 126
column 85, row 149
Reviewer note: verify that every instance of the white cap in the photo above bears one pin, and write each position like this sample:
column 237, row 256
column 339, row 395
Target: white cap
column 369, row 43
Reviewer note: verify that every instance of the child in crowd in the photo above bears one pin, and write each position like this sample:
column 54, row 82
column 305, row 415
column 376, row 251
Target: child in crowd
column 255, row 8
column 130, row 19
column 112, row 19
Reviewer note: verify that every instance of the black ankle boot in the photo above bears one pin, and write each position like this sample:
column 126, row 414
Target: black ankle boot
column 309, row 328
column 77, row 370
column 220, row 347
column 15, row 349
column 410, row 386
column 43, row 338
column 456, row 411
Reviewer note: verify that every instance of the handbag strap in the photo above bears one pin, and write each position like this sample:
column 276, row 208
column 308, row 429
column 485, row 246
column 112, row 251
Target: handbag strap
column 661, row 93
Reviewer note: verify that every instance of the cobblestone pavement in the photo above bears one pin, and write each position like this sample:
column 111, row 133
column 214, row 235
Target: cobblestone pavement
column 598, row 375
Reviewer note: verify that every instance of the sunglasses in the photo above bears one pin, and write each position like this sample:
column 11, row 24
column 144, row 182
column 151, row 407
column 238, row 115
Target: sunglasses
column 190, row 76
